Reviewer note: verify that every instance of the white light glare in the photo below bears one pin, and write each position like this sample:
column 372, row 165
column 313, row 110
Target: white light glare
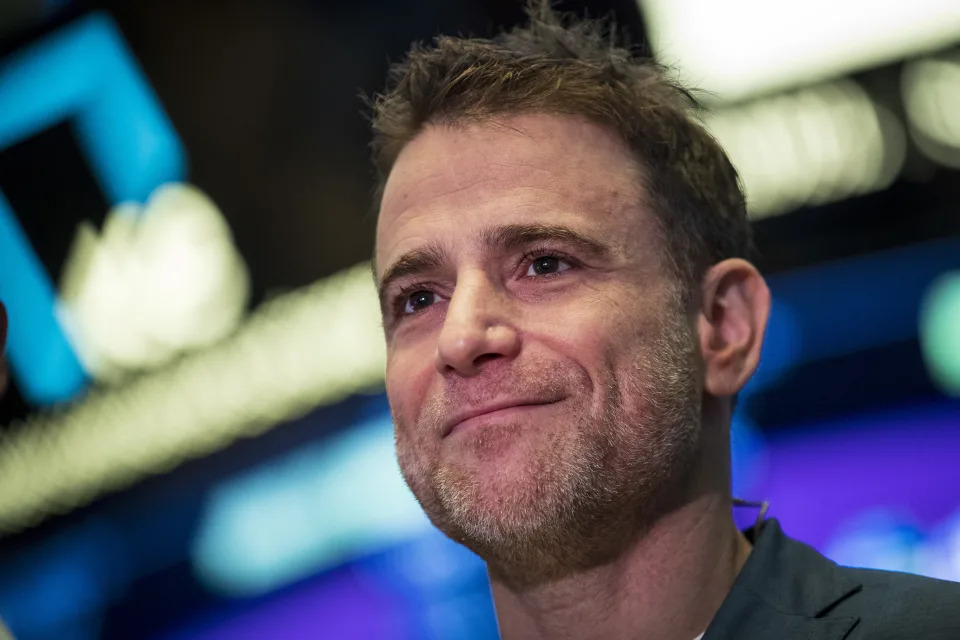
column 153, row 283
column 310, row 347
column 931, row 96
column 737, row 48
column 810, row 146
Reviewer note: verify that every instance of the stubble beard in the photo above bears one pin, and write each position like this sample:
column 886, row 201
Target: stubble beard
column 597, row 484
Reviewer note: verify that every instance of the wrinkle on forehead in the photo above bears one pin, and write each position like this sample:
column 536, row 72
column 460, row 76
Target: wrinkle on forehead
column 537, row 163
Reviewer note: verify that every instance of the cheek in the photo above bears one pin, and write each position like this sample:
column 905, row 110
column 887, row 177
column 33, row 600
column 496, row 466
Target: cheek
column 606, row 337
column 589, row 344
column 592, row 333
column 408, row 378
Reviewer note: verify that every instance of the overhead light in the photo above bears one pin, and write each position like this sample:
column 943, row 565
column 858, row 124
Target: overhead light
column 931, row 97
column 310, row 347
column 83, row 73
column 738, row 48
column 158, row 280
column 809, row 146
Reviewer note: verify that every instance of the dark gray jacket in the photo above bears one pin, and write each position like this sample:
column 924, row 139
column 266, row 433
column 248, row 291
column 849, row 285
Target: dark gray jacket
column 788, row 591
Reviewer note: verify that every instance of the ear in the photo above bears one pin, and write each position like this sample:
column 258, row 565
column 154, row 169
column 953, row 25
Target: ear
column 733, row 317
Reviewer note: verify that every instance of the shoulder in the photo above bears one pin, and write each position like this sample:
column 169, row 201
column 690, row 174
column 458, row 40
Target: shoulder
column 901, row 605
column 787, row 589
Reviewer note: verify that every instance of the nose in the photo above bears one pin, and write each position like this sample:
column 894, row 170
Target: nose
column 478, row 327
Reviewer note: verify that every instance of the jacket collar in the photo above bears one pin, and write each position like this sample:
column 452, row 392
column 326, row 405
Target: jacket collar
column 785, row 590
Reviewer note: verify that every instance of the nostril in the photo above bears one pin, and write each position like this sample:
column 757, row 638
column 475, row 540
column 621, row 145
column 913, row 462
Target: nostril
column 485, row 357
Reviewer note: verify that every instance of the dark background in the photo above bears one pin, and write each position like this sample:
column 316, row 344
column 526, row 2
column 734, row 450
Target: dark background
column 266, row 98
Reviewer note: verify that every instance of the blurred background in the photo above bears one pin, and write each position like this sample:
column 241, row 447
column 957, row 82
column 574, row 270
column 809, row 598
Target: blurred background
column 194, row 442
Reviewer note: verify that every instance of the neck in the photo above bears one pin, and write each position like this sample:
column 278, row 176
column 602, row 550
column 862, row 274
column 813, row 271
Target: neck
column 667, row 585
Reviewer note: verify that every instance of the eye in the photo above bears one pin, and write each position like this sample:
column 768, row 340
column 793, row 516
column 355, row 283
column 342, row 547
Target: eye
column 545, row 265
column 418, row 300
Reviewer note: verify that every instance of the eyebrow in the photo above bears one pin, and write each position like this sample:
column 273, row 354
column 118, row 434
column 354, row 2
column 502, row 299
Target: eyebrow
column 421, row 260
column 505, row 238
column 515, row 236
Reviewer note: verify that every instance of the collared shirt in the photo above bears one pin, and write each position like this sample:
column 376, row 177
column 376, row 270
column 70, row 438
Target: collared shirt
column 787, row 590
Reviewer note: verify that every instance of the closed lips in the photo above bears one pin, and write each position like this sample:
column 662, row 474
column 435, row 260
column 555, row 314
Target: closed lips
column 498, row 406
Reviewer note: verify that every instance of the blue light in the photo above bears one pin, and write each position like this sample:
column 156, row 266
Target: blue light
column 40, row 356
column 57, row 588
column 839, row 308
column 308, row 511
column 864, row 302
column 86, row 74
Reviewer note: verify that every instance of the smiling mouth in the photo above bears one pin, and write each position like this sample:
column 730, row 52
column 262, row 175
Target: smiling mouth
column 468, row 418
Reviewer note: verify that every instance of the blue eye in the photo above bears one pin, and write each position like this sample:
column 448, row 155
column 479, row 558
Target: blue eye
column 545, row 265
column 418, row 300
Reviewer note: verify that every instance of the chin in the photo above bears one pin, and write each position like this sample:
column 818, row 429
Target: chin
column 501, row 489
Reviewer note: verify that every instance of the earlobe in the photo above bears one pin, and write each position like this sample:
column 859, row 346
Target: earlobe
column 733, row 317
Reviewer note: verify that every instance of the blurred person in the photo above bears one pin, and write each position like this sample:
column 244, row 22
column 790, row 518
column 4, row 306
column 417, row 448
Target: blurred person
column 562, row 255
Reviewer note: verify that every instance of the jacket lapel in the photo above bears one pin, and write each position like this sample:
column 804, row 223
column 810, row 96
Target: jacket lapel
column 785, row 590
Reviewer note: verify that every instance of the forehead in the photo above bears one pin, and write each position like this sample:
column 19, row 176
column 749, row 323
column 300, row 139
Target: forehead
column 453, row 181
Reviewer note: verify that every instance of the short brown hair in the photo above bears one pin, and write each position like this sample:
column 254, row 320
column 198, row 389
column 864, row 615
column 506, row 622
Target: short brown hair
column 559, row 66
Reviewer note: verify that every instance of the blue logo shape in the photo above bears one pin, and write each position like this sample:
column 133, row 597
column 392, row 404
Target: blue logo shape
column 86, row 74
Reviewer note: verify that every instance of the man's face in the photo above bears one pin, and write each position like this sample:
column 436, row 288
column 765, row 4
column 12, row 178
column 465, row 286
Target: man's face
column 544, row 384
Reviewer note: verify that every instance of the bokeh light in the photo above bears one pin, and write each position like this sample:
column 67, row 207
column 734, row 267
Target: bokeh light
column 196, row 442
